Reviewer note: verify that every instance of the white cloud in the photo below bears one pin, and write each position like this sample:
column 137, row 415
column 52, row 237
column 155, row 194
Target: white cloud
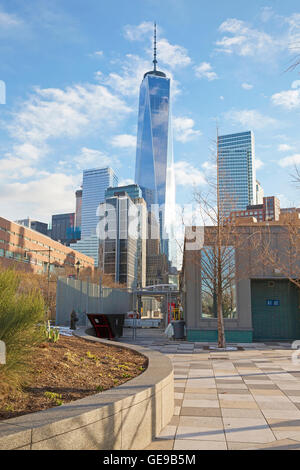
column 204, row 70
column 55, row 113
column 172, row 55
column 258, row 163
column 128, row 81
column 295, row 84
column 222, row 98
column 15, row 168
column 126, row 182
column 184, row 129
column 250, row 118
column 284, row 201
column 293, row 36
column 266, row 14
column 92, row 158
column 97, row 54
column 39, row 198
column 138, row 33
column 9, row 20
column 284, row 148
column 187, row 175
column 290, row 161
column 245, row 40
column 247, row 86
column 289, row 99
column 209, row 166
column 124, row 141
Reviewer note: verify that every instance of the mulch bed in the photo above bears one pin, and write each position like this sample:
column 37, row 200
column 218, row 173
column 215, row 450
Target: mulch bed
column 71, row 369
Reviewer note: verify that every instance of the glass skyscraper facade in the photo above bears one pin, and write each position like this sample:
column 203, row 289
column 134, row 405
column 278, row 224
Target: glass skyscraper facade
column 154, row 171
column 95, row 183
column 237, row 175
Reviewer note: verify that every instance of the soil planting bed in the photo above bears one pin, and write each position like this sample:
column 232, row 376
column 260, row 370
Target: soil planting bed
column 68, row 370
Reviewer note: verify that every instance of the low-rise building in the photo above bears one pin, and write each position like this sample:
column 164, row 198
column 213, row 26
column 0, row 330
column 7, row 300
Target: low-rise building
column 33, row 250
column 260, row 276
column 267, row 211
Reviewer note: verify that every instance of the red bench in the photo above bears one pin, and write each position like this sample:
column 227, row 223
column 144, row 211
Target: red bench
column 101, row 325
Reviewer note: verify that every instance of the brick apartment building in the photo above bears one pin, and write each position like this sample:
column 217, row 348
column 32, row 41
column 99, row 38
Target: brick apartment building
column 33, row 250
column 268, row 211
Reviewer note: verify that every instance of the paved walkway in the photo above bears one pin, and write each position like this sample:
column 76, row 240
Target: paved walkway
column 244, row 399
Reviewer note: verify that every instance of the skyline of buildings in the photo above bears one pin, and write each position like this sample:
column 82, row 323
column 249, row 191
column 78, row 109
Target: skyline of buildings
column 241, row 194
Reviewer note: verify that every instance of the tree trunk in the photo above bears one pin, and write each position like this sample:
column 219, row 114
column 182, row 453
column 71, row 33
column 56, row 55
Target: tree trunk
column 221, row 332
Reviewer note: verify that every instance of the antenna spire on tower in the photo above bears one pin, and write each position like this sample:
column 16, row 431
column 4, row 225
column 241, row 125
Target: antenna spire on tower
column 154, row 60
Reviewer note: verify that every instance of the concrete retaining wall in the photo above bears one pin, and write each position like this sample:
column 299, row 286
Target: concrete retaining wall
column 125, row 417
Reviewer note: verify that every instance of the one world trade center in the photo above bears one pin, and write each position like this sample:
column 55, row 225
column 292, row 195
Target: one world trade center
column 154, row 171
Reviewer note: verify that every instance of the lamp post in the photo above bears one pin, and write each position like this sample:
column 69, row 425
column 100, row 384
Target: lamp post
column 77, row 268
column 48, row 250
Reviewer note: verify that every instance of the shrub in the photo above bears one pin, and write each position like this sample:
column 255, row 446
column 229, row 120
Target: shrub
column 21, row 310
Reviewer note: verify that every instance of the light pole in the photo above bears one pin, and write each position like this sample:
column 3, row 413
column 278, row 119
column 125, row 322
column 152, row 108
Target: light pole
column 77, row 268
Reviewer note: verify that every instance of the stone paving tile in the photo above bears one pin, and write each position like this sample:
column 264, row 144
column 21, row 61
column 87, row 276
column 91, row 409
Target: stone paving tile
column 238, row 404
column 249, row 430
column 244, row 399
column 200, row 433
column 284, row 444
column 161, row 444
column 196, row 411
column 199, row 445
column 187, row 403
column 281, row 414
column 241, row 413
column 236, row 386
column 229, row 391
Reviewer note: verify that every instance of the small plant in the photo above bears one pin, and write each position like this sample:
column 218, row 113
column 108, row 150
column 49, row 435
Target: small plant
column 123, row 366
column 51, row 332
column 91, row 356
column 55, row 397
column 126, row 376
column 99, row 388
column 71, row 357
column 142, row 368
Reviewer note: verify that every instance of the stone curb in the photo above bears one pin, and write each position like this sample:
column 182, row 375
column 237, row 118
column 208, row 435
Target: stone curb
column 122, row 418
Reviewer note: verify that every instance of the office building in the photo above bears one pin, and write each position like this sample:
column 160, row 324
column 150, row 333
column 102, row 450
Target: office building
column 259, row 193
column 95, row 183
column 88, row 246
column 119, row 240
column 133, row 191
column 154, row 171
column 135, row 194
column 63, row 228
column 34, row 225
column 78, row 195
column 237, row 175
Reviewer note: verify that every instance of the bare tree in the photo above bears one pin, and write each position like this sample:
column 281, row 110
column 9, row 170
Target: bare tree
column 217, row 261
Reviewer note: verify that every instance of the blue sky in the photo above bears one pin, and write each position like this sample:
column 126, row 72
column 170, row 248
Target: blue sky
column 72, row 70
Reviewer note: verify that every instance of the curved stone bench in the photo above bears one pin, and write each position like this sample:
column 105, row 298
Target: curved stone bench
column 125, row 417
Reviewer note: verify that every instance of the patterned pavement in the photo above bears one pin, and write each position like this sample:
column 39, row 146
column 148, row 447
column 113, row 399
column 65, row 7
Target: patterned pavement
column 239, row 399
